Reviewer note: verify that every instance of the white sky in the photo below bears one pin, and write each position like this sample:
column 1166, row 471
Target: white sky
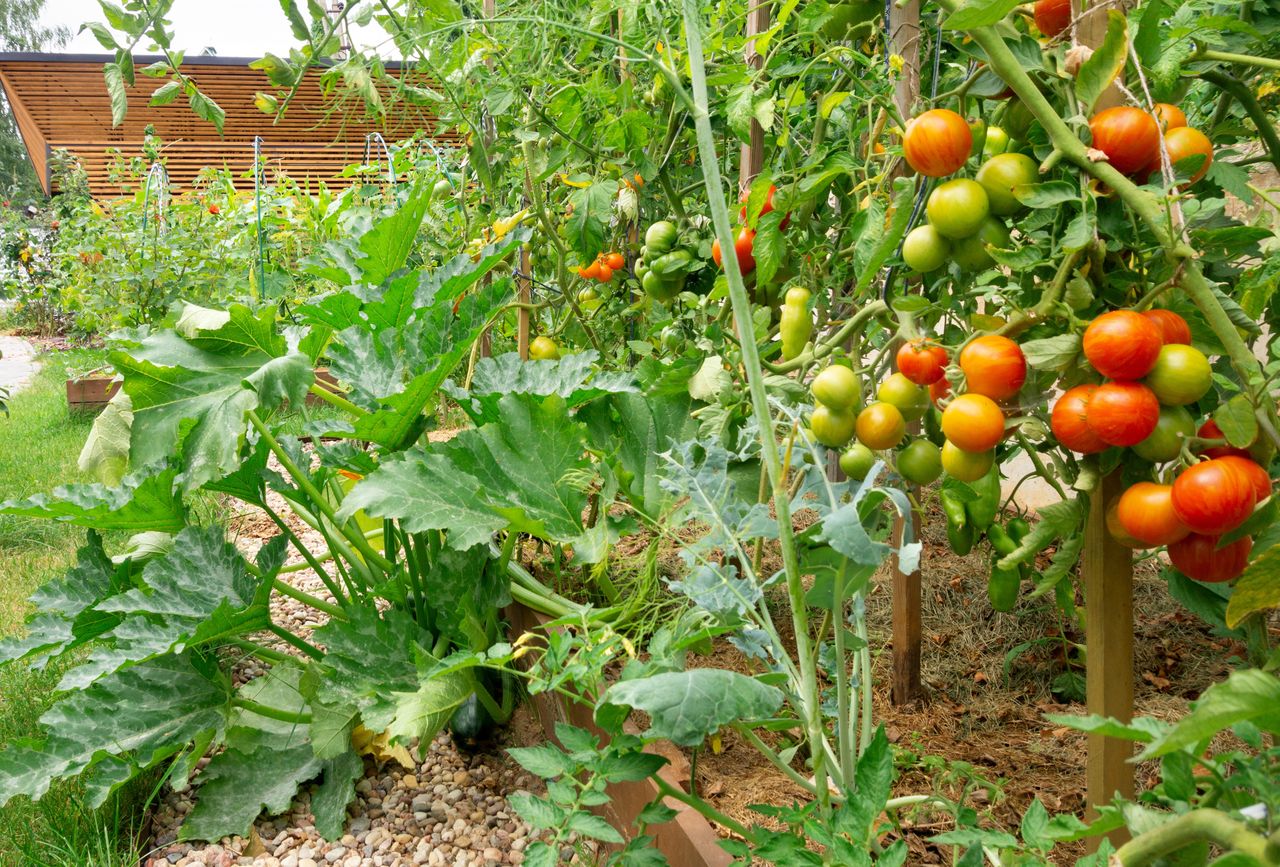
column 236, row 28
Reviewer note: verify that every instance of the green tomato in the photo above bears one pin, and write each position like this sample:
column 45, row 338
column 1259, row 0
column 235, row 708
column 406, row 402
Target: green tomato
column 1165, row 443
column 957, row 208
column 1182, row 375
column 966, row 466
column 543, row 348
column 442, row 188
column 656, row 287
column 848, row 16
column 836, row 387
column 832, row 427
column 661, row 237
column 1000, row 174
column 1017, row 120
column 857, row 461
column 910, row 399
column 925, row 250
column 997, row 141
column 971, row 253
column 920, row 462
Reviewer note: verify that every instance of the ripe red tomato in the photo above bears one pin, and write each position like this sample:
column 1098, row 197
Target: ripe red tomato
column 1169, row 116
column 1254, row 472
column 742, row 245
column 603, row 272
column 592, row 271
column 1128, row 136
column 993, row 366
column 973, row 422
column 1183, row 142
column 1213, row 497
column 1199, row 557
column 1052, row 16
column 213, row 209
column 922, row 362
column 1122, row 344
column 1145, row 510
column 1068, row 421
column 1210, row 431
column 764, row 209
column 937, row 143
column 615, row 261
column 1123, row 413
column 1174, row 328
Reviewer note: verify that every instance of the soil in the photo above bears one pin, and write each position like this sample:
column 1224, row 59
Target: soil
column 989, row 680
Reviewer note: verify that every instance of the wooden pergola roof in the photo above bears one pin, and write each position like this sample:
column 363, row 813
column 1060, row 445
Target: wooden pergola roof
column 61, row 101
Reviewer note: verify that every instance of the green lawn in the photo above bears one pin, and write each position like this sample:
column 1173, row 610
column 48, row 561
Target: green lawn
column 39, row 444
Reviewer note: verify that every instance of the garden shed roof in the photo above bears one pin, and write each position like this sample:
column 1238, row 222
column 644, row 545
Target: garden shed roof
column 61, row 101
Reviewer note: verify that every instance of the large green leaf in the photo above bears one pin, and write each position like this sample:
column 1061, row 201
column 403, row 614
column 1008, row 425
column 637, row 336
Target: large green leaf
column 330, row 799
column 236, row 787
column 143, row 714
column 573, row 378
column 191, row 395
column 386, row 246
column 432, row 345
column 369, row 657
column 199, row 592
column 687, row 706
column 1105, row 64
column 637, row 430
column 145, row 500
column 508, row 474
column 421, row 714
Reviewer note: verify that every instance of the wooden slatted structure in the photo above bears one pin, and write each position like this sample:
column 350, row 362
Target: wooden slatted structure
column 61, row 101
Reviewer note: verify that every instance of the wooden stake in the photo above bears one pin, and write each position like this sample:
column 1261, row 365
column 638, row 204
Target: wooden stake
column 904, row 41
column 526, row 297
column 906, row 625
column 752, row 160
column 1108, row 596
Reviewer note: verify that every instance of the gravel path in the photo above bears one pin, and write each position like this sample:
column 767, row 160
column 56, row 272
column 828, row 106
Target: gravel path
column 447, row 810
column 18, row 365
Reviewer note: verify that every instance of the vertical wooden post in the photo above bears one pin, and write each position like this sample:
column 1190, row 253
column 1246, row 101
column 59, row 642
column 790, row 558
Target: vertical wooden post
column 1108, row 584
column 752, row 158
column 525, row 293
column 1108, row 595
column 904, row 41
column 490, row 10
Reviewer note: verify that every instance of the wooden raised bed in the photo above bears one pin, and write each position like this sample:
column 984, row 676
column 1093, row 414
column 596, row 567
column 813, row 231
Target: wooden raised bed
column 688, row 840
column 90, row 393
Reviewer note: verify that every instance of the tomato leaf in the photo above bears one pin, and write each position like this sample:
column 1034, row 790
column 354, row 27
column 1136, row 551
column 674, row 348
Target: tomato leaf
column 1237, row 420
column 979, row 13
column 1146, row 43
column 685, row 707
column 1258, row 589
column 1049, row 194
column 1052, row 353
column 585, row 229
column 769, row 246
column 1105, row 64
column 114, row 76
column 1248, row 695
column 206, row 109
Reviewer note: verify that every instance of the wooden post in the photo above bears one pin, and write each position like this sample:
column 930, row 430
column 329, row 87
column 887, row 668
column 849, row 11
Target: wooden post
column 904, row 41
column 752, row 159
column 1108, row 584
column 1108, row 595
column 525, row 292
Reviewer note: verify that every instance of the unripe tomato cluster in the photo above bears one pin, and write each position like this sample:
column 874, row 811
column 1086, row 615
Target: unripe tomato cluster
column 1153, row 375
column 604, row 267
column 963, row 213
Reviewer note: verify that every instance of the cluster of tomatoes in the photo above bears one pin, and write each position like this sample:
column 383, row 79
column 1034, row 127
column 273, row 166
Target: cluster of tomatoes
column 879, row 426
column 1153, row 375
column 1130, row 137
column 744, row 240
column 604, row 267
column 963, row 213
